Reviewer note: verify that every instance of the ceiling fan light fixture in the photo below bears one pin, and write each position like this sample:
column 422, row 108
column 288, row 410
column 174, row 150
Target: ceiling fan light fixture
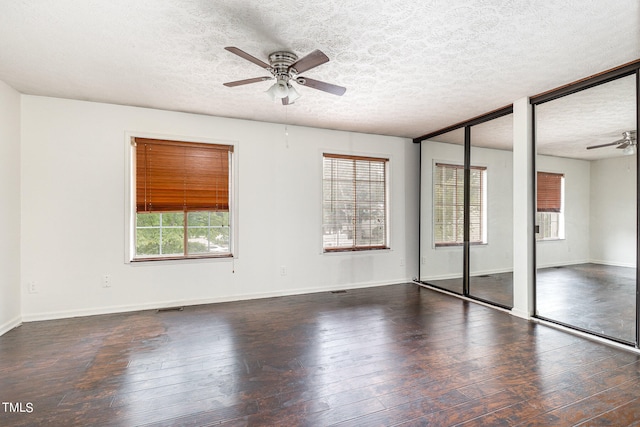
column 629, row 150
column 279, row 90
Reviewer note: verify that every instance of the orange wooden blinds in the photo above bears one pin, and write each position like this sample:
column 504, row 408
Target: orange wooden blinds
column 549, row 192
column 181, row 176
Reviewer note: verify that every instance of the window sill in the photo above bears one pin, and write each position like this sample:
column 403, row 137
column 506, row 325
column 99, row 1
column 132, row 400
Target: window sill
column 189, row 258
column 458, row 245
column 354, row 250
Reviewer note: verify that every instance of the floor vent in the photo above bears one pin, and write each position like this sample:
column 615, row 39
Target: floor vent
column 485, row 275
column 338, row 292
column 162, row 310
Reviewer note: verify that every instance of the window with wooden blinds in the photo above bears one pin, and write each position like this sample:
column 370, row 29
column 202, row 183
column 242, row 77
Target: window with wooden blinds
column 354, row 203
column 549, row 192
column 182, row 200
column 181, row 176
column 448, row 202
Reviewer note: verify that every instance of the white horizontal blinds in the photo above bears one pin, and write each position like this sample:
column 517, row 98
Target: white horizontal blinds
column 449, row 204
column 476, row 204
column 354, row 202
column 338, row 195
column 181, row 176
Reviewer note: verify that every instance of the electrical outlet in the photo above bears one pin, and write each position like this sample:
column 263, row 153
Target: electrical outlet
column 283, row 270
column 106, row 281
column 32, row 287
column 401, row 262
column 423, row 260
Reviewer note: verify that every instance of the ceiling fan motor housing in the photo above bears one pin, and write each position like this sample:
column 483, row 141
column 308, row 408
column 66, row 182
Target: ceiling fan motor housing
column 280, row 61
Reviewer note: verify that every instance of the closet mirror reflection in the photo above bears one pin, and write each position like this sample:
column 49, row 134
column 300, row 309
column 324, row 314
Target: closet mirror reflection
column 586, row 203
column 491, row 211
column 442, row 211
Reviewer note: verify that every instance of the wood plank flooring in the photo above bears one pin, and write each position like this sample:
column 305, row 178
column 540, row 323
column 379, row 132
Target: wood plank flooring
column 593, row 297
column 389, row 356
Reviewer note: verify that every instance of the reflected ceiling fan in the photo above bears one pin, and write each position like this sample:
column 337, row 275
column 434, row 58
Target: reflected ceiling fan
column 284, row 68
column 627, row 143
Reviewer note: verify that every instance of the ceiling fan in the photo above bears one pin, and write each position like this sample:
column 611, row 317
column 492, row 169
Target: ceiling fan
column 284, row 68
column 627, row 143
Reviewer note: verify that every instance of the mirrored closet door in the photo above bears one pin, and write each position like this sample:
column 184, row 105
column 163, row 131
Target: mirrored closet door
column 442, row 211
column 586, row 209
column 466, row 220
column 491, row 211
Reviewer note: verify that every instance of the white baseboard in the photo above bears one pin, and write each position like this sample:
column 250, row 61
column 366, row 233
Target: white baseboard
column 64, row 314
column 562, row 264
column 459, row 274
column 613, row 264
column 490, row 272
column 7, row 326
column 442, row 277
column 590, row 261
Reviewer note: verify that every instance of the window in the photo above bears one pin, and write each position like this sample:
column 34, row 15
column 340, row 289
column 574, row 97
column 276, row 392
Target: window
column 354, row 203
column 182, row 203
column 550, row 206
column 448, row 195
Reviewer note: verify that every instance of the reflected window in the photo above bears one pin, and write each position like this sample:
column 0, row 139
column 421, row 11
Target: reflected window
column 448, row 203
column 550, row 206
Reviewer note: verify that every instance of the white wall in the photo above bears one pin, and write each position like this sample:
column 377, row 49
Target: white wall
column 613, row 211
column 574, row 249
column 497, row 255
column 10, row 298
column 74, row 165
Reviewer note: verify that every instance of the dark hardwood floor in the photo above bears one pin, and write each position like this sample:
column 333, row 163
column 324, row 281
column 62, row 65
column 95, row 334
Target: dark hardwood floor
column 593, row 297
column 494, row 288
column 394, row 355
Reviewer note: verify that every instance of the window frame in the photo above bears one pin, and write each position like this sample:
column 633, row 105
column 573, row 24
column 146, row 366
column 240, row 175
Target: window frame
column 386, row 160
column 130, row 201
column 483, row 207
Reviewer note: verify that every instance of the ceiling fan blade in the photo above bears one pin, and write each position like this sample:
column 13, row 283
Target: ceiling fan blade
column 247, row 81
column 308, row 62
column 606, row 145
column 242, row 54
column 623, row 145
column 323, row 86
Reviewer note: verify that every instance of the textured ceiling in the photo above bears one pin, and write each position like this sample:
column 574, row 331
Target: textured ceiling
column 410, row 67
column 566, row 126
